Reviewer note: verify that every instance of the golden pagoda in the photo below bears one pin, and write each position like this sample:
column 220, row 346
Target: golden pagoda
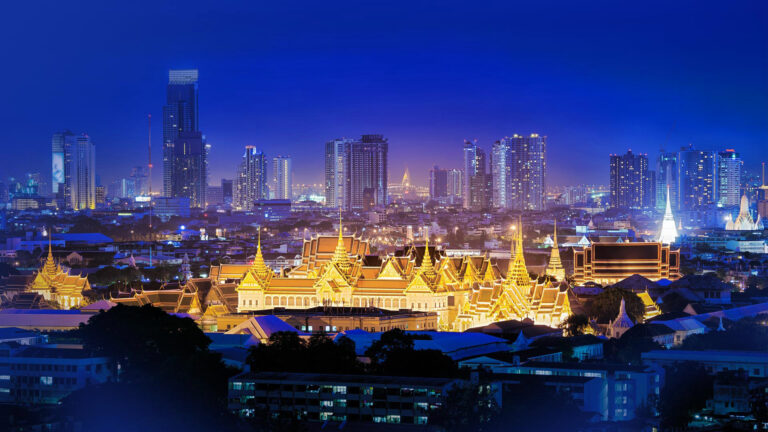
column 59, row 286
column 555, row 267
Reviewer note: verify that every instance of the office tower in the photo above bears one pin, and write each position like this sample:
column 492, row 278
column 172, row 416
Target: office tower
column 336, row 152
column 179, row 115
column 227, row 191
column 190, row 168
column 696, row 178
column 455, row 185
column 215, row 195
column 629, row 180
column 501, row 175
column 476, row 180
column 122, row 188
column 438, row 184
column 282, row 177
column 666, row 180
column 81, row 185
column 140, row 180
column 61, row 143
column 728, row 178
column 251, row 180
column 519, row 172
column 366, row 167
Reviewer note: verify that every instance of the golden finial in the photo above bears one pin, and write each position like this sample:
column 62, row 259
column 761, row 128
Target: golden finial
column 259, row 266
column 426, row 261
column 340, row 255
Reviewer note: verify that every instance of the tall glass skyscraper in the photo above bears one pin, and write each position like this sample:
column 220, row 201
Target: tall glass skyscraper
column 666, row 177
column 729, row 178
column 629, row 181
column 190, row 168
column 82, row 179
column 367, row 173
column 282, row 177
column 696, row 178
column 336, row 152
column 180, row 114
column 61, row 147
column 519, row 172
column 251, row 180
column 476, row 179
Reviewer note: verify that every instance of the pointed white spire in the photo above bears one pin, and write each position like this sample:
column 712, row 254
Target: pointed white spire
column 668, row 233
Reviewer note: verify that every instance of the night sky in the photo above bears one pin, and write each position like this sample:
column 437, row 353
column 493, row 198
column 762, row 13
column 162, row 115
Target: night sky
column 595, row 77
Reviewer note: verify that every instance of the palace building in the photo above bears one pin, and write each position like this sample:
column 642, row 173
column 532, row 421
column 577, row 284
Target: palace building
column 465, row 292
column 609, row 263
column 56, row 285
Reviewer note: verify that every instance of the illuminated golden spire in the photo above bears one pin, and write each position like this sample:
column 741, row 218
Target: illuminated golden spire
column 518, row 273
column 555, row 267
column 340, row 255
column 426, row 262
column 50, row 266
column 259, row 266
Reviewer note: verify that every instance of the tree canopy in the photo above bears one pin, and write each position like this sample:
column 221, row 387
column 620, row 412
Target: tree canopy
column 605, row 306
column 287, row 352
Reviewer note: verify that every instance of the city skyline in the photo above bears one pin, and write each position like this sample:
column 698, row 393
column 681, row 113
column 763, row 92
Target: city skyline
column 254, row 95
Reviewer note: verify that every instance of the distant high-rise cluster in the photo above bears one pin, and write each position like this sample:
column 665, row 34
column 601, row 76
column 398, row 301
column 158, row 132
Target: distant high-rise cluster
column 356, row 172
column 632, row 184
column 476, row 178
column 74, row 170
column 250, row 183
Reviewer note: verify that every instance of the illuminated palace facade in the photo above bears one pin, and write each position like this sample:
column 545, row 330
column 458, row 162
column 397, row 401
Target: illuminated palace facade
column 464, row 291
column 54, row 284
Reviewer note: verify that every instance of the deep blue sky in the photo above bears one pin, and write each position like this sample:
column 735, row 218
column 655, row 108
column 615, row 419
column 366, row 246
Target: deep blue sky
column 594, row 76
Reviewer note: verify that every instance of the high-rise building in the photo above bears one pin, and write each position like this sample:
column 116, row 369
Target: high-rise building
column 696, row 178
column 180, row 114
column 630, row 182
column 728, row 178
column 251, row 181
column 367, row 173
column 81, row 185
column 61, row 143
column 227, row 191
column 455, row 185
column 336, row 152
column 190, row 168
column 666, row 180
column 476, row 180
column 282, row 177
column 519, row 172
column 140, row 180
column 501, row 175
column 438, row 184
column 214, row 195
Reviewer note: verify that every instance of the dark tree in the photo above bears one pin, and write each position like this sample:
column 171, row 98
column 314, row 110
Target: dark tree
column 468, row 406
column 605, row 306
column 575, row 325
column 394, row 354
column 287, row 352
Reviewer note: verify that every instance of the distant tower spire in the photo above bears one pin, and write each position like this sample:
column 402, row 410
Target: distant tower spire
column 668, row 233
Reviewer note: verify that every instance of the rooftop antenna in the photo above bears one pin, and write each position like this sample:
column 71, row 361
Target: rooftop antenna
column 149, row 149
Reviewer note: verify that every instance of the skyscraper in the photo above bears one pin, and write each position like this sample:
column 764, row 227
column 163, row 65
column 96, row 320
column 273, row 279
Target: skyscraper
column 82, row 179
column 438, row 184
column 630, row 182
column 61, row 143
column 519, row 172
column 227, row 190
column 476, row 179
column 282, row 177
column 367, row 173
column 729, row 178
column 696, row 178
column 180, row 114
column 455, row 183
column 251, row 181
column 666, row 180
column 190, row 168
column 336, row 152
column 501, row 175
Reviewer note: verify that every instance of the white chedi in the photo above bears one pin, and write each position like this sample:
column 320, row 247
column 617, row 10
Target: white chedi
column 744, row 221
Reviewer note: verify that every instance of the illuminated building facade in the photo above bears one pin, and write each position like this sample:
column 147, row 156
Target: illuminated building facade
column 190, row 168
column 728, row 178
column 476, row 180
column 630, row 181
column 250, row 183
column 697, row 178
column 526, row 160
column 608, row 263
column 81, row 185
column 666, row 179
column 464, row 291
column 445, row 185
column 336, row 152
column 62, row 144
column 744, row 221
column 59, row 286
column 282, row 177
column 180, row 114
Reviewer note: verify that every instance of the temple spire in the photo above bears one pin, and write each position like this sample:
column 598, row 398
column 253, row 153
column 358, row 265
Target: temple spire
column 426, row 261
column 340, row 255
column 555, row 267
column 259, row 266
column 668, row 233
column 518, row 272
